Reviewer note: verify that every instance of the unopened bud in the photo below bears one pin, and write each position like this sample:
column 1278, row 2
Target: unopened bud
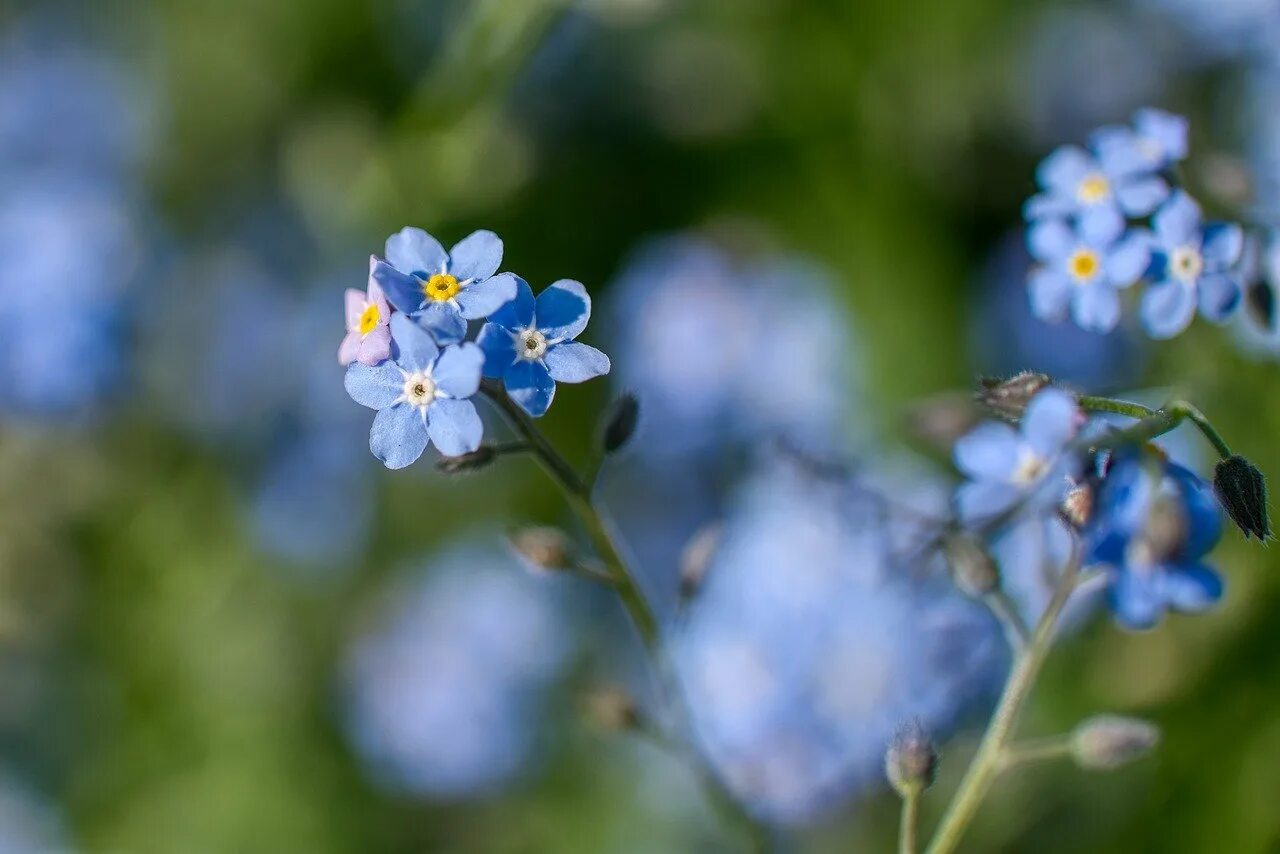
column 972, row 569
column 1010, row 397
column 1078, row 505
column 911, row 762
column 620, row 423
column 612, row 708
column 695, row 560
column 1108, row 741
column 542, row 548
column 1242, row 489
column 469, row 462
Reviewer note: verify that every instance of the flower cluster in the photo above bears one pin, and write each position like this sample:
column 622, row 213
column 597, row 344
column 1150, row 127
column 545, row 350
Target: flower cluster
column 406, row 353
column 1085, row 232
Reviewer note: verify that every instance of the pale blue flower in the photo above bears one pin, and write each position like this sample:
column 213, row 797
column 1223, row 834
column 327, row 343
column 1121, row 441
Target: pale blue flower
column 1081, row 271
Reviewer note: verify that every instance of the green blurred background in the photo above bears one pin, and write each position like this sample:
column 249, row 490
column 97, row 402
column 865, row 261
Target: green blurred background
column 167, row 687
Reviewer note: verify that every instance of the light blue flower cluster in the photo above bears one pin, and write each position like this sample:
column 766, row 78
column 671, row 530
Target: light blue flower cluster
column 1083, row 234
column 413, row 365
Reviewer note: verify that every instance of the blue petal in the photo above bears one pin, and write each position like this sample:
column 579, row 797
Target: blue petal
column 457, row 371
column 1223, row 244
column 1128, row 260
column 483, row 298
column 517, row 314
column 398, row 436
column 1204, row 513
column 412, row 250
column 1050, row 240
column 1064, row 168
column 454, row 426
column 417, row 348
column 1119, row 152
column 988, row 452
column 1135, row 600
column 1167, row 308
column 375, row 387
column 499, row 350
column 1141, row 196
column 1178, row 221
column 1192, row 588
column 986, row 500
column 444, row 321
column 1219, row 296
column 1050, row 292
column 572, row 362
column 530, row 386
column 1046, row 205
column 563, row 310
column 476, row 256
column 1095, row 307
column 1167, row 130
column 1101, row 225
column 1050, row 421
column 403, row 291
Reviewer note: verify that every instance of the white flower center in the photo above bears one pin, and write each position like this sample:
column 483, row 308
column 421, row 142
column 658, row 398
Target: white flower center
column 1186, row 263
column 530, row 344
column 419, row 389
column 1030, row 468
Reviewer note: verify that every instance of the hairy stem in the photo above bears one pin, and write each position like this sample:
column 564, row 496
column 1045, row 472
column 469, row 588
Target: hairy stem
column 1153, row 422
column 987, row 762
column 907, row 822
column 1038, row 750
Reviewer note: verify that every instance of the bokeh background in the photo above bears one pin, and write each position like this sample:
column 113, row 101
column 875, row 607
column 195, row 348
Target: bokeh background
column 223, row 627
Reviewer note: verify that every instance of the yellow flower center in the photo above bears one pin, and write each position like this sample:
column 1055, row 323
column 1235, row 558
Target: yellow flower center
column 369, row 318
column 1093, row 188
column 1083, row 264
column 441, row 287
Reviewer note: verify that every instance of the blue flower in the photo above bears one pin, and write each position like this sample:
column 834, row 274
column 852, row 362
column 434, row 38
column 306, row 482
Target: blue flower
column 421, row 396
column 1156, row 141
column 1082, row 269
column 442, row 290
column 1007, row 466
column 1191, row 265
column 529, row 344
column 1153, row 524
column 1097, row 191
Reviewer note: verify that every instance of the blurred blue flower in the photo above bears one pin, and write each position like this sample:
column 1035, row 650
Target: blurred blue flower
column 1082, row 270
column 421, row 397
column 444, row 686
column 442, row 290
column 29, row 824
column 1032, row 464
column 1224, row 28
column 1191, row 265
column 808, row 646
column 1098, row 189
column 1154, row 523
column 1156, row 141
column 529, row 344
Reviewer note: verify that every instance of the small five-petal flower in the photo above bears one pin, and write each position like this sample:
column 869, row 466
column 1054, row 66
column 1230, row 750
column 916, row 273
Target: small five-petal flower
column 1083, row 269
column 368, row 338
column 1097, row 191
column 421, row 397
column 529, row 344
column 443, row 290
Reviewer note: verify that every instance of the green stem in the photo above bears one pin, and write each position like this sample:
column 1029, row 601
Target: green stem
column 1039, row 750
column 1153, row 422
column 907, row 822
column 1090, row 403
column 1006, row 612
column 987, row 762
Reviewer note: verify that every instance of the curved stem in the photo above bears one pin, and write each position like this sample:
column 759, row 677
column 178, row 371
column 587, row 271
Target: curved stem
column 1153, row 422
column 987, row 762
column 907, row 822
column 1038, row 750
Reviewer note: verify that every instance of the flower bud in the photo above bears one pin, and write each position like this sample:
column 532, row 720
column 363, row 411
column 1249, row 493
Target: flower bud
column 695, row 560
column 973, row 570
column 1242, row 489
column 620, row 423
column 542, row 548
column 911, row 762
column 1010, row 397
column 469, row 462
column 1077, row 506
column 1105, row 742
column 611, row 708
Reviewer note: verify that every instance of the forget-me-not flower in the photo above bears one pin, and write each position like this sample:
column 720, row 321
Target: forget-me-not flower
column 443, row 290
column 1153, row 524
column 1191, row 266
column 368, row 338
column 1031, row 464
column 421, row 396
column 1082, row 269
column 1157, row 140
column 529, row 344
column 1098, row 191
